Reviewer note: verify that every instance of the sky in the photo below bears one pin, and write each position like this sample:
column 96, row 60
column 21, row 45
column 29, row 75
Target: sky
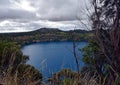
column 28, row 15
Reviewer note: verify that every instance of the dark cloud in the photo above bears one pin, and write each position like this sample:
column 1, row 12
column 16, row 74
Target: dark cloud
column 53, row 10
column 59, row 10
column 9, row 13
column 56, row 10
column 4, row 3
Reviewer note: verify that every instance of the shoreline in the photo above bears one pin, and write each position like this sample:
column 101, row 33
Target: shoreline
column 29, row 43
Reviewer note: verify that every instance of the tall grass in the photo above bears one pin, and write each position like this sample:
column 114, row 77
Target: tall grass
column 13, row 67
column 68, row 77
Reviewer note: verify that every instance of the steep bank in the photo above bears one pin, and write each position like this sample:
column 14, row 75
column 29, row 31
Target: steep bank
column 46, row 35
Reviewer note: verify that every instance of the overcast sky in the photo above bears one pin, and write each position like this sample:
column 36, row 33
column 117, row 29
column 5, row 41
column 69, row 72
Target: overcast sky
column 27, row 15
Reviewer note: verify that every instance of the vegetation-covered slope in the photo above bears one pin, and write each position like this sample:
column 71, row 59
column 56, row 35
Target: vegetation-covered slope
column 13, row 67
column 45, row 34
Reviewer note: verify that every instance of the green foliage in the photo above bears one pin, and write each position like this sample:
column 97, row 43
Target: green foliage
column 95, row 62
column 69, row 77
column 11, row 56
column 89, row 52
column 44, row 35
column 13, row 66
column 28, row 73
column 67, row 82
column 63, row 77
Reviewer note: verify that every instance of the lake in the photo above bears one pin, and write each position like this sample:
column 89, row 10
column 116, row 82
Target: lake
column 50, row 57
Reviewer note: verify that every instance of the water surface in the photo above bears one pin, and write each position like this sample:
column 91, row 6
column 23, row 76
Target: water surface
column 50, row 57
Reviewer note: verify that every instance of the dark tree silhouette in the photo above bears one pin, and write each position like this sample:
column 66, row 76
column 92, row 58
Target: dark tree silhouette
column 106, row 24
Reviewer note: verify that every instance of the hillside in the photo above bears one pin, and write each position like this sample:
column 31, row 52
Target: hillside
column 45, row 35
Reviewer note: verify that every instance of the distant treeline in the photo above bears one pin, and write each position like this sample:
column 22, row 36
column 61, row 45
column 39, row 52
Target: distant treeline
column 46, row 35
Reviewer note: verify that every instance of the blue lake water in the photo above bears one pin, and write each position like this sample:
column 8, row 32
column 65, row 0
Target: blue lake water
column 50, row 57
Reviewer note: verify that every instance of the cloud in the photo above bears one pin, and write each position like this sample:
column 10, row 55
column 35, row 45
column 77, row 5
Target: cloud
column 24, row 15
column 17, row 26
column 9, row 13
column 53, row 10
column 4, row 3
column 58, row 10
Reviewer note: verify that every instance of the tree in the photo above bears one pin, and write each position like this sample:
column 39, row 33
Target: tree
column 28, row 74
column 11, row 57
column 95, row 62
column 13, row 67
column 106, row 25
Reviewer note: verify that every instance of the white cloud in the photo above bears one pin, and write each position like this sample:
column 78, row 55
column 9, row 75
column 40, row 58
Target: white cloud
column 25, row 15
column 33, row 25
column 22, row 4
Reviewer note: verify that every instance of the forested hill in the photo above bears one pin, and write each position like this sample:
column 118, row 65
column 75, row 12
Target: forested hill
column 46, row 34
